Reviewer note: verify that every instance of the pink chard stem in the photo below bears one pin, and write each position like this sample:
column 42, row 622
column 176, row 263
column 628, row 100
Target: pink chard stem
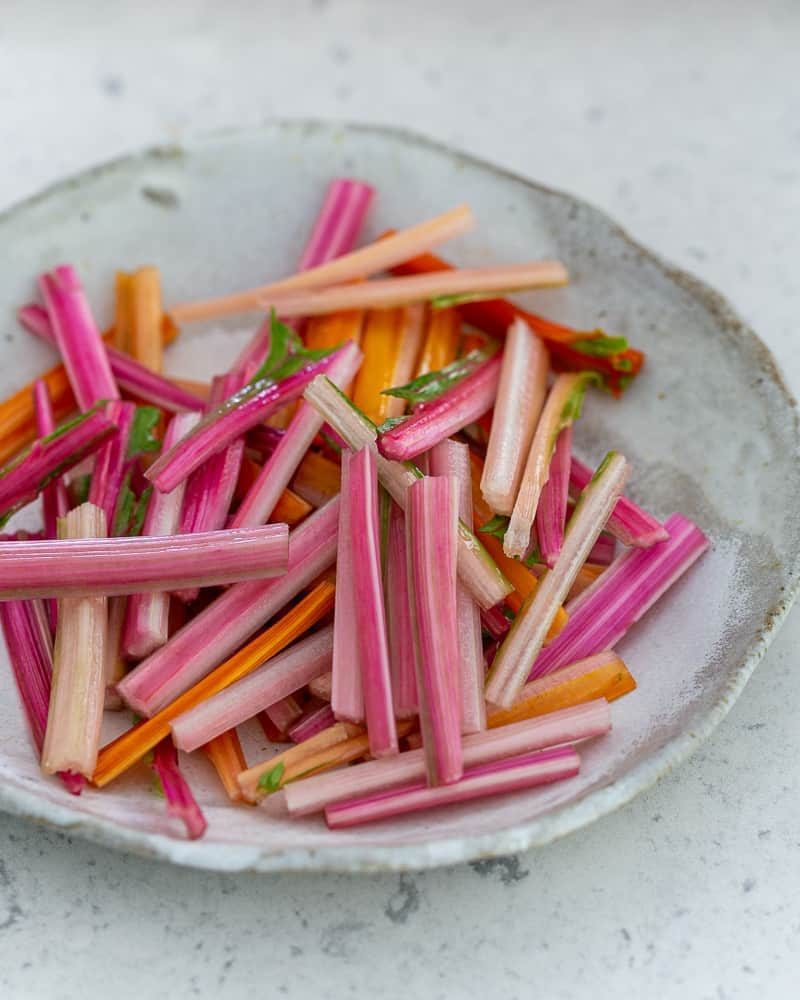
column 112, row 460
column 88, row 567
column 603, row 613
column 78, row 338
column 431, row 531
column 452, row 459
column 55, row 500
column 259, row 691
column 313, row 721
column 209, row 490
column 498, row 778
column 433, row 422
column 628, row 522
column 398, row 619
column 569, row 725
column 180, row 802
column 221, row 628
column 347, row 694
column 370, row 618
column 147, row 617
column 551, row 514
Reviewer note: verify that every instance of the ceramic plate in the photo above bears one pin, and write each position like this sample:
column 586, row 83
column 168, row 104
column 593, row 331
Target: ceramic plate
column 709, row 427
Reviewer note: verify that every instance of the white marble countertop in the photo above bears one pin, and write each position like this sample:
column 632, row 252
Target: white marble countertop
column 681, row 120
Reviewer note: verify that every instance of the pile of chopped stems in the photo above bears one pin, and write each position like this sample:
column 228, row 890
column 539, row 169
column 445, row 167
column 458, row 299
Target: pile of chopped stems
column 370, row 534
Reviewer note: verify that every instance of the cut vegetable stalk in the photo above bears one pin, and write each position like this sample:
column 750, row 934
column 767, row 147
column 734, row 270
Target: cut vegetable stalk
column 431, row 533
column 378, row 256
column 180, row 802
column 347, row 692
column 498, row 778
column 30, row 653
column 277, row 472
column 525, row 639
column 603, row 675
column 392, row 293
column 275, row 680
column 568, row 726
column 628, row 522
column 129, row 374
column 563, row 406
column 433, row 422
column 604, row 550
column 398, row 619
column 48, row 458
column 477, row 570
column 314, row 721
column 452, row 459
column 210, row 489
column 226, row 755
column 242, row 411
column 55, row 500
column 78, row 692
column 111, row 460
column 126, row 750
column 631, row 585
column 78, row 338
column 146, row 314
column 231, row 619
column 551, row 514
column 147, row 617
column 520, row 394
column 278, row 719
column 110, row 566
column 367, row 588
column 391, row 342
column 442, row 331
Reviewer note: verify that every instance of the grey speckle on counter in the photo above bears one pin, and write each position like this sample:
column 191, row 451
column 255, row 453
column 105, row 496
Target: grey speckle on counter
column 682, row 121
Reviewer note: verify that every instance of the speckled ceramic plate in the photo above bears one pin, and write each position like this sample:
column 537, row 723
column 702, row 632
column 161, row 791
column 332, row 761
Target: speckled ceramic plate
column 710, row 428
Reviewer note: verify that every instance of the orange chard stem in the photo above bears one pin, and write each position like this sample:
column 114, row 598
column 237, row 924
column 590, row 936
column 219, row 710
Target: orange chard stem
column 442, row 333
column 17, row 417
column 600, row 676
column 317, row 479
column 146, row 315
column 325, row 332
column 391, row 344
column 123, row 752
column 225, row 753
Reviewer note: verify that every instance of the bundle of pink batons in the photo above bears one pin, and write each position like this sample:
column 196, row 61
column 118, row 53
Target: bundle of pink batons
column 370, row 534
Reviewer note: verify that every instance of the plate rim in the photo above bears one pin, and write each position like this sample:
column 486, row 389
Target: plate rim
column 221, row 857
